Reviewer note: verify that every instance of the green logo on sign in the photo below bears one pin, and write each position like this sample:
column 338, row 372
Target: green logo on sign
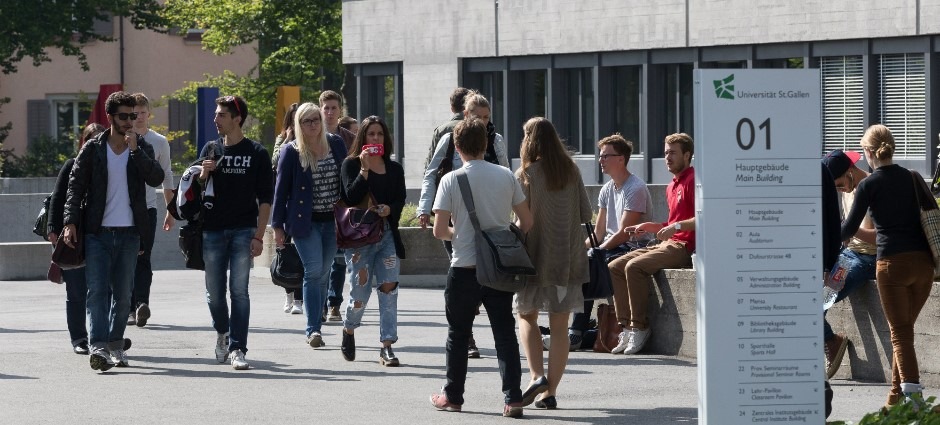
column 724, row 89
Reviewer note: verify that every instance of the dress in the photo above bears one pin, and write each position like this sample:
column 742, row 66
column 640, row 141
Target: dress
column 556, row 245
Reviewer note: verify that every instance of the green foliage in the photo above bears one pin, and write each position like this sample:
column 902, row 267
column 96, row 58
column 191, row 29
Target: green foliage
column 4, row 132
column 44, row 158
column 30, row 27
column 919, row 412
column 409, row 217
column 298, row 43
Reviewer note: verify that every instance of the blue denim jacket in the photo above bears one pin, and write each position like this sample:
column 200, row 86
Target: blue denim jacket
column 293, row 197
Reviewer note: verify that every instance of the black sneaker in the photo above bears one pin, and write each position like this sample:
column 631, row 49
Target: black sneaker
column 143, row 314
column 127, row 344
column 81, row 348
column 349, row 346
column 472, row 351
column 387, row 357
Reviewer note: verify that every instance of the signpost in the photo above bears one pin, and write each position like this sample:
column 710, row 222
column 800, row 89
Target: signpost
column 758, row 237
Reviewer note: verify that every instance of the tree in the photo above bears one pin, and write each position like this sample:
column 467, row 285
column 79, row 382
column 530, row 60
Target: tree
column 30, row 27
column 299, row 42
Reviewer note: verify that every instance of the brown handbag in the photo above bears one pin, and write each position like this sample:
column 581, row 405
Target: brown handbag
column 70, row 257
column 608, row 329
column 54, row 274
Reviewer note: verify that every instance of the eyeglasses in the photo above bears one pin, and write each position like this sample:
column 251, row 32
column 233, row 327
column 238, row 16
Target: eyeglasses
column 309, row 122
column 124, row 116
column 608, row 155
column 231, row 99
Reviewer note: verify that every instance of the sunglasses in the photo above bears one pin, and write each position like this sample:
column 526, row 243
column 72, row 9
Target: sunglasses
column 231, row 99
column 124, row 116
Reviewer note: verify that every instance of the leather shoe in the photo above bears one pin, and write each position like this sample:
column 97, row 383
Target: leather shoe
column 387, row 357
column 81, row 348
column 349, row 346
column 539, row 386
column 547, row 403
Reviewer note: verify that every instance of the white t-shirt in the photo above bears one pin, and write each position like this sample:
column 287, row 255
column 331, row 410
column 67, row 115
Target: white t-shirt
column 161, row 151
column 117, row 207
column 495, row 191
column 632, row 196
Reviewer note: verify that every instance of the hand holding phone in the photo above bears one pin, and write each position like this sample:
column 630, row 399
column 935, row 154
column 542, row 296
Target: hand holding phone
column 374, row 150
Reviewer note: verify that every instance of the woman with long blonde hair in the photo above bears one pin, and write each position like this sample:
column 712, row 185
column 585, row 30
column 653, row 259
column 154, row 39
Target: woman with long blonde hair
column 559, row 204
column 307, row 185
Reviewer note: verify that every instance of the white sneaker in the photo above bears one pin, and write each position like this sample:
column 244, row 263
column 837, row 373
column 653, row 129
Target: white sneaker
column 297, row 307
column 637, row 340
column 132, row 318
column 238, row 360
column 546, row 342
column 622, row 340
column 221, row 347
column 119, row 358
column 289, row 302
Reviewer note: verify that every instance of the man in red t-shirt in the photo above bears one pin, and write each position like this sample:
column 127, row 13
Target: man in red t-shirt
column 631, row 273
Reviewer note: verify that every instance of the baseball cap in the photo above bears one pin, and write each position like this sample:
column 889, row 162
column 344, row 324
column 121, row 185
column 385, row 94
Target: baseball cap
column 839, row 161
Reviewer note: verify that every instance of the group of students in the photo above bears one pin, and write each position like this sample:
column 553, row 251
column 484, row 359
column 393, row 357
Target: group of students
column 103, row 192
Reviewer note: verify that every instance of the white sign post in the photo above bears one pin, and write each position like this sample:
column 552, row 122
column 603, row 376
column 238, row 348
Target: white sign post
column 758, row 256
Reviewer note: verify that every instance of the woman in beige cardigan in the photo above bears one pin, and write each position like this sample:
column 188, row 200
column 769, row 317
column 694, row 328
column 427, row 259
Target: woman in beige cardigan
column 559, row 205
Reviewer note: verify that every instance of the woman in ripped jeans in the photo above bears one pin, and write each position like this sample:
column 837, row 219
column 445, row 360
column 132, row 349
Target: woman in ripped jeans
column 374, row 175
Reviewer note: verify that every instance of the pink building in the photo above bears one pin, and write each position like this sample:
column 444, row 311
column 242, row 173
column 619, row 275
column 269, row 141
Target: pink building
column 56, row 97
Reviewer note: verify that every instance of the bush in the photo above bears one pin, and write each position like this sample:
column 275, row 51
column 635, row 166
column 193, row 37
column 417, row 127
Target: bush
column 43, row 158
column 906, row 414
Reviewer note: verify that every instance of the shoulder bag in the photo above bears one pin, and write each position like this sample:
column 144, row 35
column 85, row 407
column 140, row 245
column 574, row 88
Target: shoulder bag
column 599, row 287
column 929, row 218
column 608, row 329
column 357, row 227
column 70, row 257
column 287, row 269
column 42, row 220
column 502, row 261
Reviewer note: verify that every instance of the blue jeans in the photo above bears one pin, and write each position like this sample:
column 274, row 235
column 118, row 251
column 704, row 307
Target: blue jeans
column 76, row 292
column 334, row 296
column 376, row 264
column 225, row 250
column 111, row 257
column 462, row 295
column 861, row 270
column 143, row 275
column 316, row 251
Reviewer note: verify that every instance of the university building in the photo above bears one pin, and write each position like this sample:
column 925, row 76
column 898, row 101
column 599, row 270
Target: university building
column 603, row 66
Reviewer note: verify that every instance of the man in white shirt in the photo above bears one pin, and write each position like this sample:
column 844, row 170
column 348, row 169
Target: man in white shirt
column 143, row 275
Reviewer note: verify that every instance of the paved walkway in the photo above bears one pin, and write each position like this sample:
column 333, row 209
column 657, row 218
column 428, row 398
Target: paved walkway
column 174, row 378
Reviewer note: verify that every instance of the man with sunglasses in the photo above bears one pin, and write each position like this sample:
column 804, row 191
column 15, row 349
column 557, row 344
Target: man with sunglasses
column 233, row 228
column 107, row 202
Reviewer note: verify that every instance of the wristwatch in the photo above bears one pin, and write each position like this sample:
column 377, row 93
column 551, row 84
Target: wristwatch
column 678, row 226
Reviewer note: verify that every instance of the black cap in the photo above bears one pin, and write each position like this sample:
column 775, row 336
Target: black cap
column 839, row 161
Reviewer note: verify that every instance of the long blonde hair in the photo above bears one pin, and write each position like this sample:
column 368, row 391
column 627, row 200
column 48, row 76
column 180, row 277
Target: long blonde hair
column 541, row 143
column 308, row 159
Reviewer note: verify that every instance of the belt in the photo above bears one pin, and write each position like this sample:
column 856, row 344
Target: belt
column 118, row 229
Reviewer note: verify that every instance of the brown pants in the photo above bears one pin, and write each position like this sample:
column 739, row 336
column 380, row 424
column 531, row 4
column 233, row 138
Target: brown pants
column 631, row 277
column 904, row 283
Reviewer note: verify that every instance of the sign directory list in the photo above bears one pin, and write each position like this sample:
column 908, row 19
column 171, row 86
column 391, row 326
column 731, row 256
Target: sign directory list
column 758, row 236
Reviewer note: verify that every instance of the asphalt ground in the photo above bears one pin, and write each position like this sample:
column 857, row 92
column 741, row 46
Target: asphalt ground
column 173, row 376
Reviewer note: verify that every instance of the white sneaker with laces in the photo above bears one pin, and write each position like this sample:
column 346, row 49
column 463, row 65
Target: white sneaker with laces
column 297, row 307
column 289, row 302
column 622, row 341
column 238, row 360
column 221, row 347
column 119, row 358
column 637, row 340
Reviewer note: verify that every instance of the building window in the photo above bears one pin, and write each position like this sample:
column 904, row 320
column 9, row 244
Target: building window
column 69, row 116
column 678, row 113
column 379, row 92
column 527, row 98
column 626, row 89
column 902, row 102
column 843, row 89
column 574, row 114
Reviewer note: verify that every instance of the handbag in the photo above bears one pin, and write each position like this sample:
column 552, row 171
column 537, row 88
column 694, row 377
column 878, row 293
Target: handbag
column 357, row 227
column 42, row 220
column 599, row 287
column 608, row 329
column 54, row 274
column 929, row 219
column 502, row 262
column 190, row 241
column 70, row 257
column 287, row 270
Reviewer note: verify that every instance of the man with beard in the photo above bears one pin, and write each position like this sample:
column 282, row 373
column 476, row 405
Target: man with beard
column 106, row 199
column 232, row 232
column 630, row 274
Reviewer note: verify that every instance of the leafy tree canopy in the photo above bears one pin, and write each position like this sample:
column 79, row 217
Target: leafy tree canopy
column 298, row 43
column 30, row 27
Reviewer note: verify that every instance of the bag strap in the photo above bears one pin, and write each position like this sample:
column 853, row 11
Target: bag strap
column 464, row 183
column 591, row 236
column 924, row 202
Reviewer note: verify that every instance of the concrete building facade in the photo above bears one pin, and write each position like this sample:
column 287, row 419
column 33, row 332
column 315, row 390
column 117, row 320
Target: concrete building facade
column 55, row 98
column 606, row 66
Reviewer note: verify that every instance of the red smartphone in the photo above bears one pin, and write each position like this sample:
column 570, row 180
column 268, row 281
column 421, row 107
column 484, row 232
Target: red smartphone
column 375, row 150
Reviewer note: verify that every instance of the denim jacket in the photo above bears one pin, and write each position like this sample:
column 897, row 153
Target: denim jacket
column 293, row 194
